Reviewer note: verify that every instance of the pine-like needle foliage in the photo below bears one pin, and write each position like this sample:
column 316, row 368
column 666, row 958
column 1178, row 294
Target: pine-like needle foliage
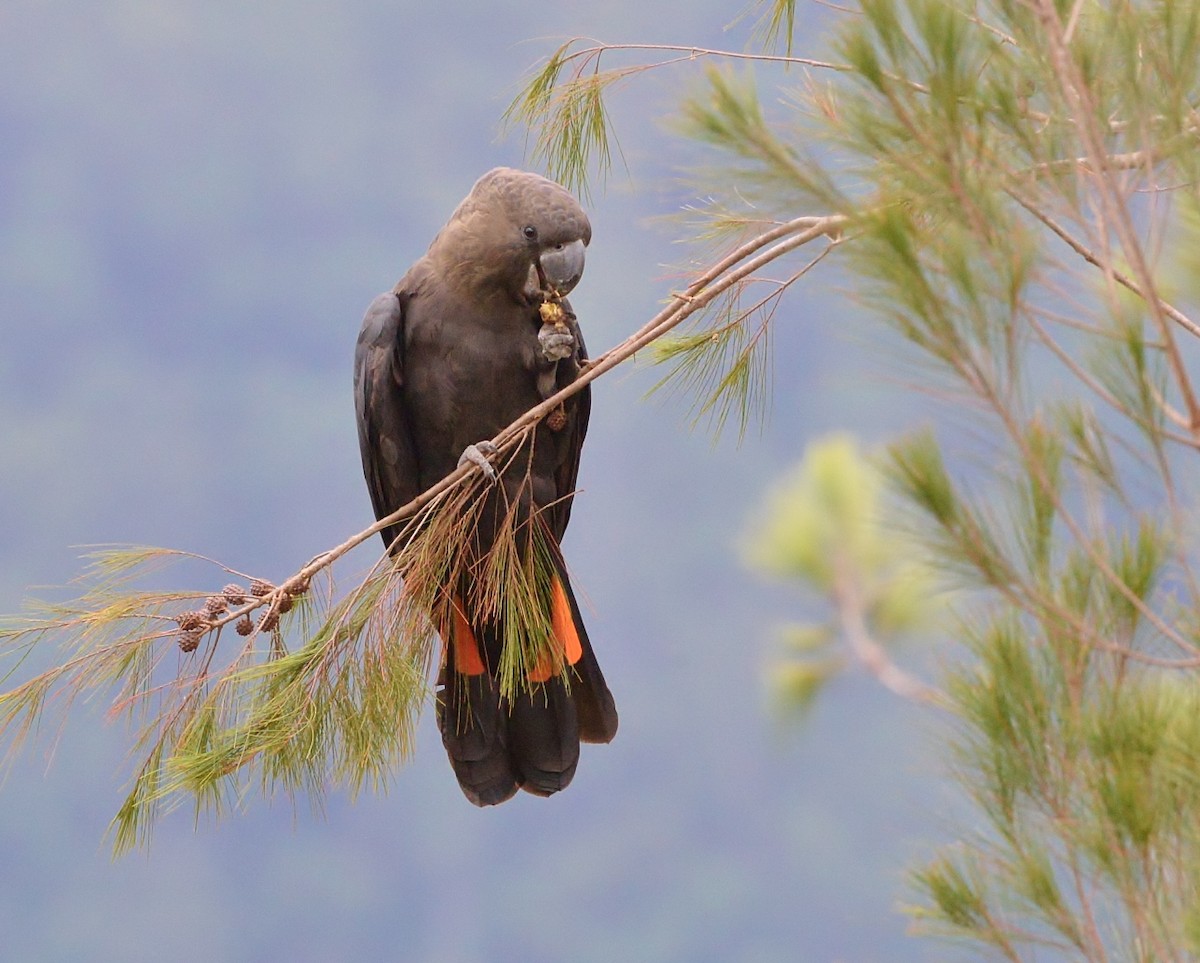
column 258, row 688
column 1014, row 190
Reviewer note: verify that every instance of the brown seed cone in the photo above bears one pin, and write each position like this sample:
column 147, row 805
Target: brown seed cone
column 285, row 604
column 215, row 605
column 235, row 594
column 259, row 588
column 269, row 621
column 190, row 621
column 244, row 625
column 557, row 419
column 190, row 640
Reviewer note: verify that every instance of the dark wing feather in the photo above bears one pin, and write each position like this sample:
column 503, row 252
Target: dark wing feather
column 384, row 435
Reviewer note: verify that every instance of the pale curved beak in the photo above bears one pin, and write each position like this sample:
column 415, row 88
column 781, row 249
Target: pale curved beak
column 561, row 267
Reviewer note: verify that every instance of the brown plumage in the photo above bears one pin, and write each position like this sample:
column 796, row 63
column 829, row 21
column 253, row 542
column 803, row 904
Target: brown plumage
column 449, row 357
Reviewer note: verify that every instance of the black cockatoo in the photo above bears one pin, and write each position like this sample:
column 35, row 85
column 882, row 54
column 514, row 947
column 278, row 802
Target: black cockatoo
column 460, row 348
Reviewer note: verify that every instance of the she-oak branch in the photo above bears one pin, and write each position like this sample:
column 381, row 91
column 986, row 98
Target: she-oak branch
column 739, row 265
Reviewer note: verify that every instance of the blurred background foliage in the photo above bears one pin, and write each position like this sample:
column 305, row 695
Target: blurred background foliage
column 824, row 526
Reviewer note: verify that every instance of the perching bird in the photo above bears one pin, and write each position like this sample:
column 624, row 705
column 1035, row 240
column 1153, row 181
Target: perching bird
column 453, row 354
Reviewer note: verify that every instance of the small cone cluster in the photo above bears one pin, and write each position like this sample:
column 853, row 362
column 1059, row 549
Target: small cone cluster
column 194, row 625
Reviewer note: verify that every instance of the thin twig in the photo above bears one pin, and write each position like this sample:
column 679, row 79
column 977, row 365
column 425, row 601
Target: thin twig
column 1078, row 371
column 851, row 612
column 594, row 52
column 1095, row 260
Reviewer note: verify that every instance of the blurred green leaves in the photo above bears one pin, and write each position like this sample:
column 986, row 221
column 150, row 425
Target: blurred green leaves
column 826, row 507
column 824, row 526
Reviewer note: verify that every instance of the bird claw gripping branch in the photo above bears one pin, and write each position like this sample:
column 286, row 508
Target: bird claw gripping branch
column 555, row 342
column 477, row 455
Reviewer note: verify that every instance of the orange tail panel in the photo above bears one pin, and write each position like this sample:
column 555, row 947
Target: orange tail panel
column 563, row 623
column 564, row 633
column 468, row 660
